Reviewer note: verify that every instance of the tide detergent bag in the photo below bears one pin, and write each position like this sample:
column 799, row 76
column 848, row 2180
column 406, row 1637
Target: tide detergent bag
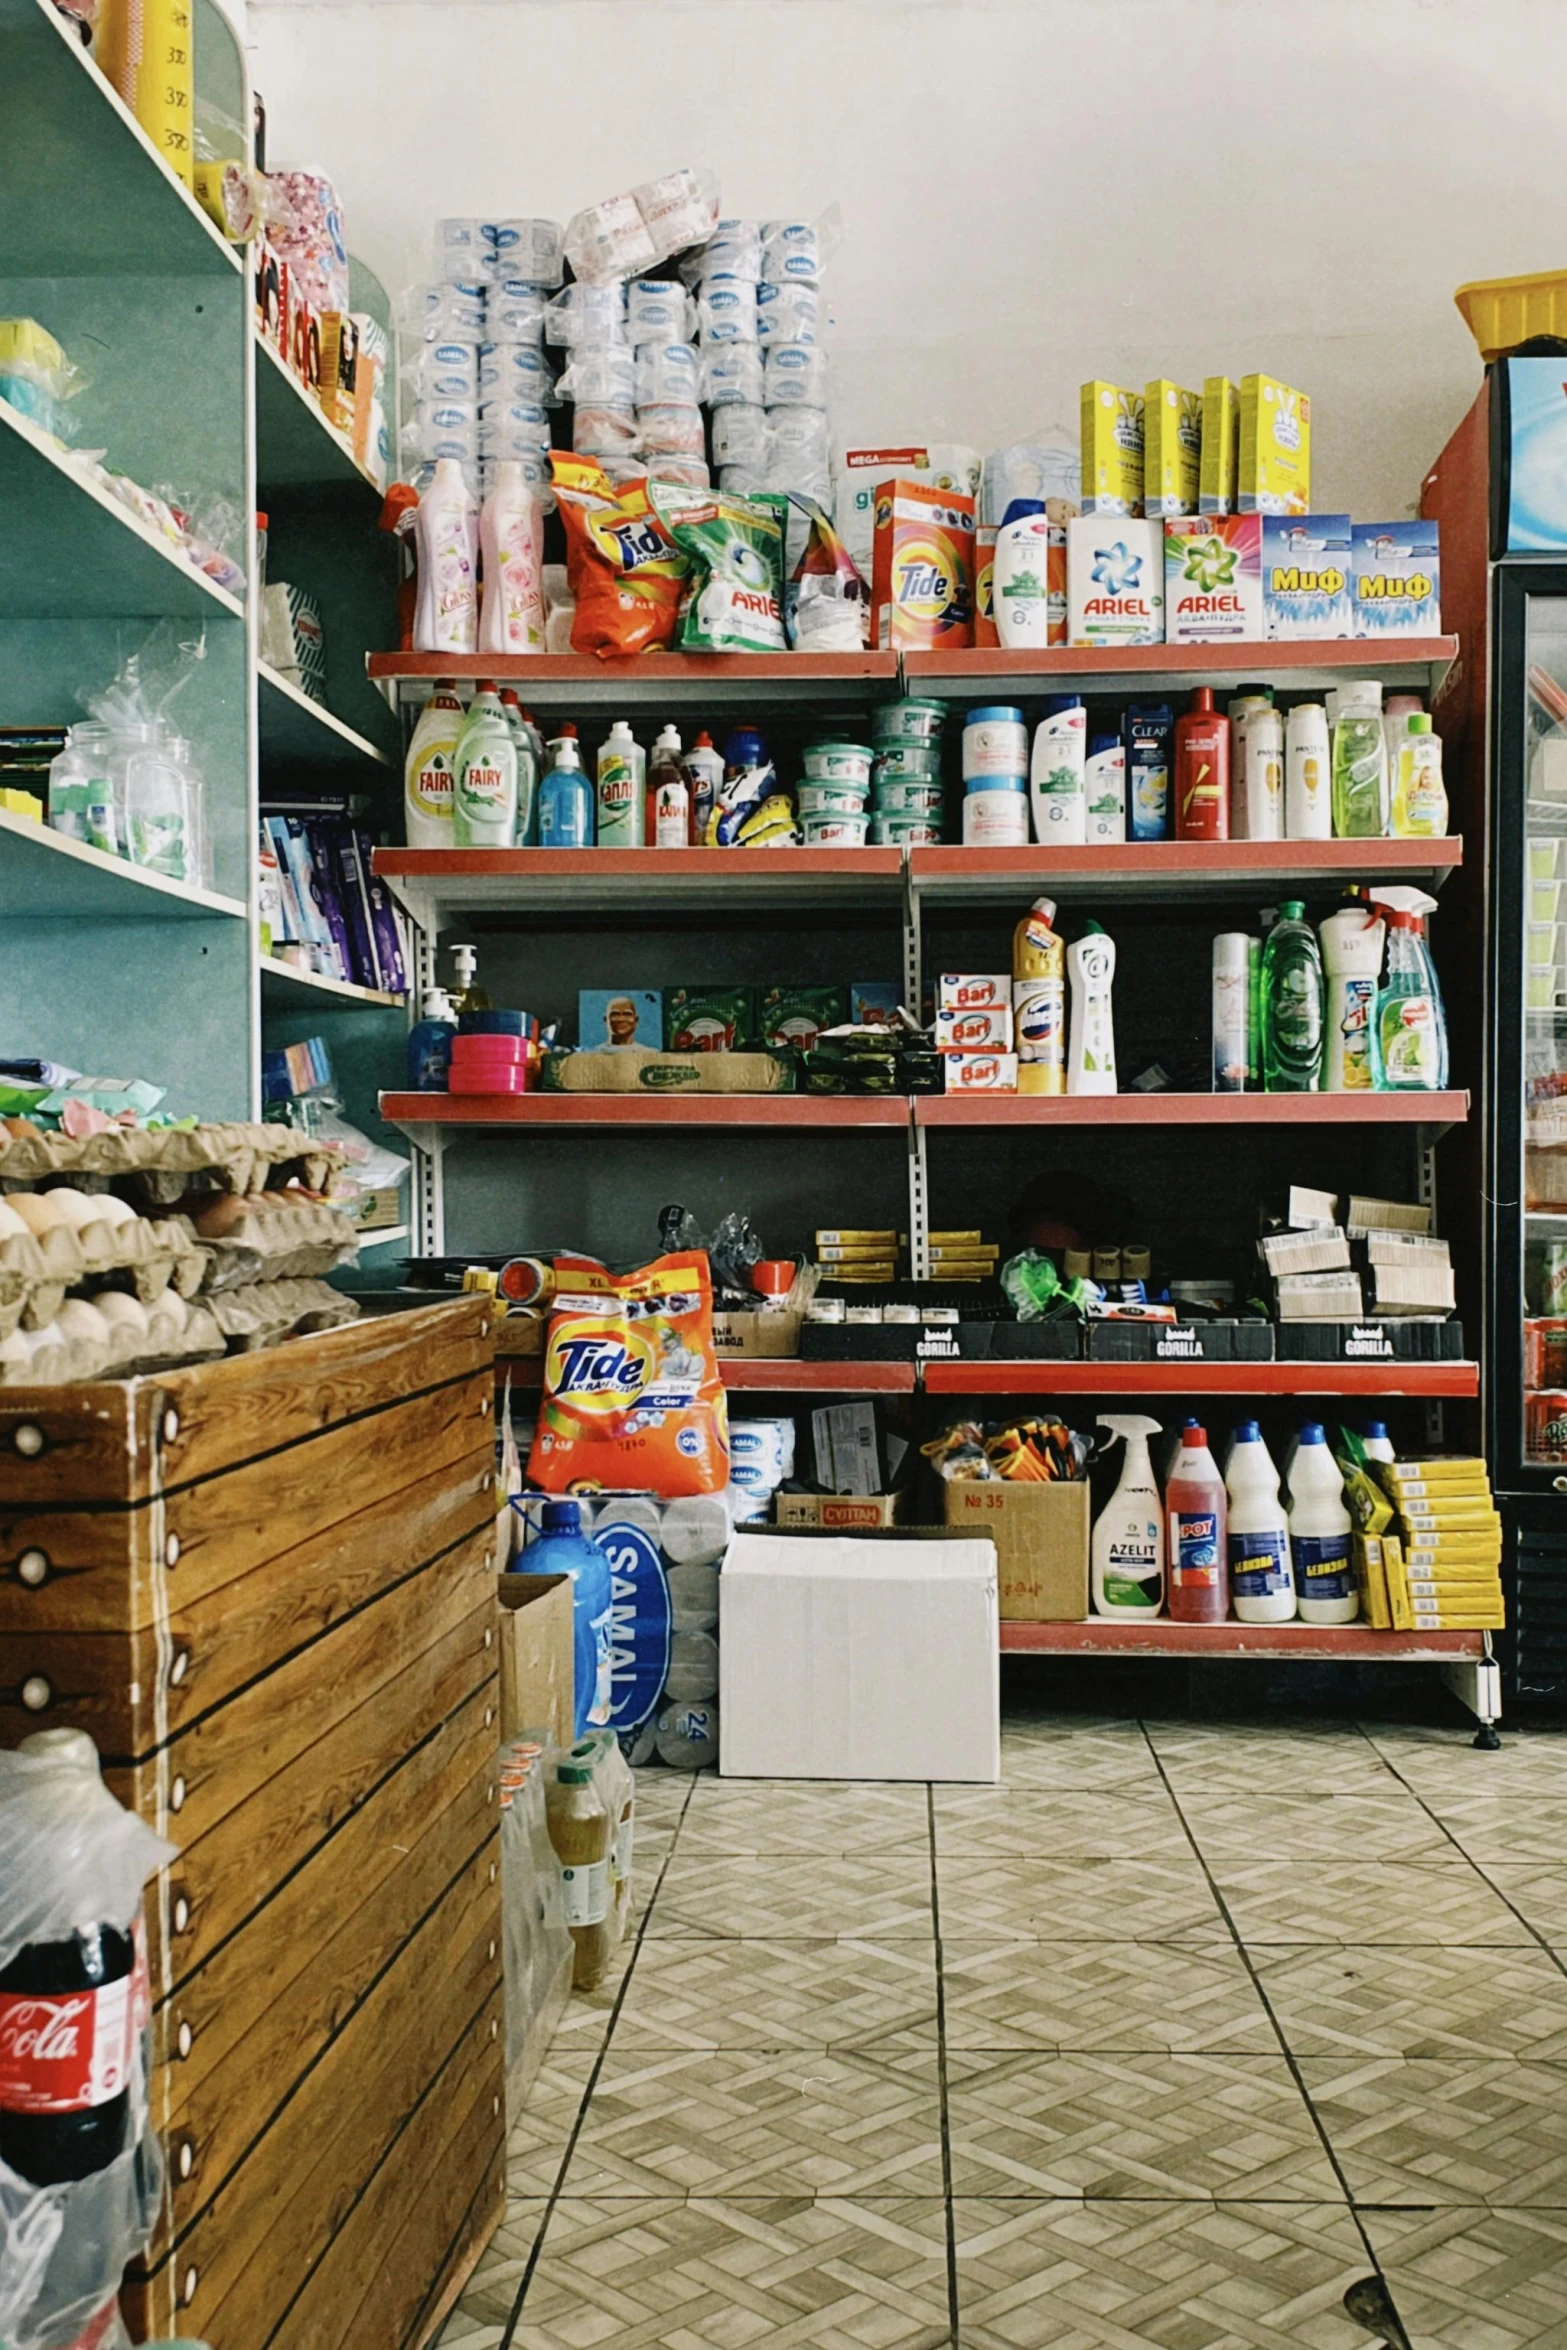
column 632, row 1393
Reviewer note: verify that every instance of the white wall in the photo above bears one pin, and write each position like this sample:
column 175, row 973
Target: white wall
column 1034, row 191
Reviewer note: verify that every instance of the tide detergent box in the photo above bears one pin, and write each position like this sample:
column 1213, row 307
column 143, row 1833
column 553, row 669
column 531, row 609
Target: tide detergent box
column 1213, row 578
column 1114, row 581
column 1221, row 434
column 922, row 567
column 1112, row 449
column 1307, row 588
column 1275, row 453
column 1397, row 577
column 1172, row 448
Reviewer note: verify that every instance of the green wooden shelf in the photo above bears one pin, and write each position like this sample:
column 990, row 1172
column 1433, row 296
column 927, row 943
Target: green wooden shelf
column 297, row 732
column 45, row 877
column 285, row 988
column 296, row 448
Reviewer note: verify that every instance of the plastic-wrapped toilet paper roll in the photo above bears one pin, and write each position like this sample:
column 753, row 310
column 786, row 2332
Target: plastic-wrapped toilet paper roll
column 595, row 377
column 735, row 250
column 437, row 311
column 742, row 481
column 659, row 310
column 630, row 1509
column 528, row 249
column 687, row 1736
column 732, row 373
column 591, row 316
column 726, row 312
column 689, row 473
column 693, row 1598
column 599, row 430
column 668, row 374
column 693, row 1668
column 796, row 375
column 756, row 1450
column 448, row 371
column 791, row 252
column 696, row 1530
column 463, row 253
column 644, row 1745
column 515, row 311
column 670, row 431
column 507, row 427
column 751, row 1509
column 798, row 436
column 740, row 435
column 787, row 314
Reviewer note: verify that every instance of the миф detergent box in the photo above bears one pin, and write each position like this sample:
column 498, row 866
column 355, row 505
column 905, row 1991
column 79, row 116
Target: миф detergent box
column 922, row 567
column 1307, row 584
column 1114, row 580
column 1397, row 575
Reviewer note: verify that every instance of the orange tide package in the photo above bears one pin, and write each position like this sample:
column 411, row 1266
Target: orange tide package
column 632, row 1391
column 922, row 567
column 627, row 578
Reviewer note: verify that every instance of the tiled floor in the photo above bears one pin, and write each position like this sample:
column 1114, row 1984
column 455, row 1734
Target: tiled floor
column 1177, row 2038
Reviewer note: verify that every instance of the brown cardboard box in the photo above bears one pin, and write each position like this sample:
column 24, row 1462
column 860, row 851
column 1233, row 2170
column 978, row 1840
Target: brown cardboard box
column 767, row 1336
column 1041, row 1538
column 537, row 1662
column 837, row 1513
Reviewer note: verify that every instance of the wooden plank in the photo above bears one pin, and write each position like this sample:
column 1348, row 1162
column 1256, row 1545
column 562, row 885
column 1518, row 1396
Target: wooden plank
column 111, row 1570
column 133, row 1440
column 478, row 2224
column 131, row 1689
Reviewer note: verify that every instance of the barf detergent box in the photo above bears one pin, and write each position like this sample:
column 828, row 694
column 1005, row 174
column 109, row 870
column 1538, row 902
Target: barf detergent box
column 1172, row 449
column 620, row 1019
column 1275, row 455
column 922, row 567
column 1114, row 581
column 1112, row 449
column 1221, row 433
column 1213, row 579
column 1307, row 589
column 1397, row 578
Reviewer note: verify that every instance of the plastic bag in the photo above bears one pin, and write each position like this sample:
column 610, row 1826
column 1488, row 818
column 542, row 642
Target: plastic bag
column 632, row 1394
column 828, row 603
column 311, row 241
column 35, row 375
column 734, row 603
column 628, row 235
column 625, row 575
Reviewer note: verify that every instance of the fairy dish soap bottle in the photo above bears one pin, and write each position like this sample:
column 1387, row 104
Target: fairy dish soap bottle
column 1291, row 1003
column 484, row 800
column 1128, row 1540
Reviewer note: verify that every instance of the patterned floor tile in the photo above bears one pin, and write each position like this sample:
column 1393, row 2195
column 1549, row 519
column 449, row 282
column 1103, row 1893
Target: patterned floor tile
column 485, row 2303
column 1160, row 1900
column 1420, row 2131
column 663, row 1795
column 1290, row 1759
column 1378, row 1902
column 1538, row 1891
column 1475, row 2279
column 1179, row 2276
column 810, row 1815
column 1436, row 2001
column 1192, row 2127
column 539, row 2137
column 1507, row 1828
column 716, row 2274
column 751, row 1995
column 791, row 1897
column 1088, row 1756
column 1050, row 1823
column 807, row 2122
column 1102, row 1995
column 1314, row 1827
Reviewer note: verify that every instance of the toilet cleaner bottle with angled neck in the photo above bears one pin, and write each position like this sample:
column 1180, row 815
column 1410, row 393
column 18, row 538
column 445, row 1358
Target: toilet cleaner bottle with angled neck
column 1128, row 1539
column 1039, row 1000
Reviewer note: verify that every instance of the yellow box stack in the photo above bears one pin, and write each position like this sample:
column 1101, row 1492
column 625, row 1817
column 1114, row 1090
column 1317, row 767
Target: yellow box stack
column 1442, row 1555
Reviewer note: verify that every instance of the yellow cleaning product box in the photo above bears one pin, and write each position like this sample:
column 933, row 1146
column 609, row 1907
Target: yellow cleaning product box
column 1112, row 449
column 1459, row 1511
column 1275, row 456
column 1446, row 1471
column 1221, row 429
column 1172, row 448
column 1371, row 1579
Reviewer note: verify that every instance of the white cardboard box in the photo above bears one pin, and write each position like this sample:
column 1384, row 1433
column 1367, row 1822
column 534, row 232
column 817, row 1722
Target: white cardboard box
column 846, row 1659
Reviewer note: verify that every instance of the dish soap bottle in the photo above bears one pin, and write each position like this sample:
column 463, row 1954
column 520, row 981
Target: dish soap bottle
column 1262, row 1580
column 1195, row 1511
column 622, row 779
column 427, row 771
column 484, row 795
column 525, row 736
column 1291, row 1003
column 1320, row 1533
column 1359, row 763
column 430, row 1044
column 565, row 797
column 1039, row 1000
column 1128, row 1540
column 1419, row 796
column 1409, row 1032
column 1090, row 963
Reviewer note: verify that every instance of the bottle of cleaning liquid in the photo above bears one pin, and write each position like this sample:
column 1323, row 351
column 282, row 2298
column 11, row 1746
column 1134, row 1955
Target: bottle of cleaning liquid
column 1359, row 762
column 1231, row 1011
column 668, row 823
column 705, row 774
column 1308, row 790
column 427, row 771
column 622, row 790
column 511, row 616
column 561, row 1548
column 446, row 533
column 430, row 1044
column 1320, row 1533
column 1419, row 795
column 1057, row 773
column 466, row 994
column 1409, row 1029
column 1020, row 579
column 1149, row 733
column 530, row 763
column 1260, row 799
column 1262, row 1582
column 1195, row 1509
column 1397, row 710
column 1202, row 771
column 565, row 797
column 1291, row 1003
column 1090, row 963
column 1039, row 1000
column 1375, row 1443
column 1104, row 788
column 1128, row 1538
column 484, row 790
column 1351, row 966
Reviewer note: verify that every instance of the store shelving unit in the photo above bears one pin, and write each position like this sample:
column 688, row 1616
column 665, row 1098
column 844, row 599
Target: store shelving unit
column 1414, row 664
column 1042, row 1377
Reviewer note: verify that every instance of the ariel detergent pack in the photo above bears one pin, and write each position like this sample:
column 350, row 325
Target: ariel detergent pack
column 1307, row 561
column 1213, row 578
column 1114, row 581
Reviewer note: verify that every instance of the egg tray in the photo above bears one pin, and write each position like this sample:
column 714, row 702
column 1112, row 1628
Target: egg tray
column 50, row 1358
column 273, row 1243
column 247, row 1158
column 37, row 1271
column 270, row 1311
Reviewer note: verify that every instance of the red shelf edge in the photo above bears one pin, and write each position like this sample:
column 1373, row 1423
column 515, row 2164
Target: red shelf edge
column 1171, row 859
column 582, row 668
column 1028, row 1377
column 635, row 864
column 888, row 1112
column 1191, row 1109
column 1164, row 1638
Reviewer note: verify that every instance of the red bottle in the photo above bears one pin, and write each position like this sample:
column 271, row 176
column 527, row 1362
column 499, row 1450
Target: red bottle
column 1202, row 771
column 1196, row 1533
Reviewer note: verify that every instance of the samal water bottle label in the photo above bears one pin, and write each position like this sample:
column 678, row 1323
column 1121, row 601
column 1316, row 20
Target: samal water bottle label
column 1259, row 1564
column 1324, row 1566
column 1194, row 1549
column 640, row 1622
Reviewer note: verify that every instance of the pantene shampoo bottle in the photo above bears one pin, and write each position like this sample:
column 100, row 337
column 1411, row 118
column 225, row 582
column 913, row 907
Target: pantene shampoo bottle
column 428, row 769
column 1308, row 784
column 1128, row 1540
column 1090, row 964
column 1039, row 1000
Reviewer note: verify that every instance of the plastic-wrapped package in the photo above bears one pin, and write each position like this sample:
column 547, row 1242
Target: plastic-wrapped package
column 726, row 311
column 513, row 428
column 659, row 310
column 827, row 604
column 462, row 251
column 671, row 431
column 733, row 373
column 515, row 311
column 447, row 370
column 535, row 1938
column 515, row 371
column 740, row 435
column 657, row 1322
column 598, row 430
column 796, row 375
column 667, row 374
column 626, row 580
column 736, row 554
column 311, row 241
column 591, row 315
column 438, row 311
column 742, row 481
column 797, row 440
column 734, row 250
column 795, row 252
column 35, row 374
column 595, row 377
column 788, row 314
column 690, row 473
column 630, row 234
column 524, row 250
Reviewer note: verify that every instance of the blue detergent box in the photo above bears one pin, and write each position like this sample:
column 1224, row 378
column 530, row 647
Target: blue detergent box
column 1397, row 576
column 620, row 1018
column 1307, row 582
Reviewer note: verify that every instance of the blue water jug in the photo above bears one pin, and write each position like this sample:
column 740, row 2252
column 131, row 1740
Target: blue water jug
column 561, row 1548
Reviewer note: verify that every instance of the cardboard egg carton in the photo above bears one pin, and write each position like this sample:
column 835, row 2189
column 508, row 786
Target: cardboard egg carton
column 38, row 1270
column 56, row 1352
column 243, row 1157
column 269, row 1311
column 271, row 1242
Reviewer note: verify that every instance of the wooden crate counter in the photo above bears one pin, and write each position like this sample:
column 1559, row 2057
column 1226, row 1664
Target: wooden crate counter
column 264, row 1586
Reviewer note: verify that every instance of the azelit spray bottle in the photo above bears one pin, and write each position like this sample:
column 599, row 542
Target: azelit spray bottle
column 1128, row 1538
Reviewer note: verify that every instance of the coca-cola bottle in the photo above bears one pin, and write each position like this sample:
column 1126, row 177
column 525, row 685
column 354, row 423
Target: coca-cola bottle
column 69, row 2009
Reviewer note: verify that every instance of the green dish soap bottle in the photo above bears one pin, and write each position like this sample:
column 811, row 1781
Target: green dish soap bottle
column 1291, row 1004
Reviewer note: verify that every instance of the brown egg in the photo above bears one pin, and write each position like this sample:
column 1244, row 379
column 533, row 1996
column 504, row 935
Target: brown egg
column 39, row 1212
column 218, row 1218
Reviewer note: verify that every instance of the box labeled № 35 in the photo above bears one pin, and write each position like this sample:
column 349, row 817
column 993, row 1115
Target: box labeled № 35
column 1114, row 581
column 1213, row 578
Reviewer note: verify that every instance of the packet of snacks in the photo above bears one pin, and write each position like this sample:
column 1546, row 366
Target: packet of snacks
column 632, row 1395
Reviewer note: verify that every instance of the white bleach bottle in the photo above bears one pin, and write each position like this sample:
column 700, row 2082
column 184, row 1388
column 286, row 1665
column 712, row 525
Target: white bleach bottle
column 1262, row 1580
column 1128, row 1540
column 1320, row 1533
column 1057, row 781
column 1090, row 970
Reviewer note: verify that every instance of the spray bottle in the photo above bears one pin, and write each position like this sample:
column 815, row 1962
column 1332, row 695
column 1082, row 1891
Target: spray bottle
column 1128, row 1538
column 1090, row 964
column 1351, row 966
column 1039, row 1000
column 1409, row 1030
